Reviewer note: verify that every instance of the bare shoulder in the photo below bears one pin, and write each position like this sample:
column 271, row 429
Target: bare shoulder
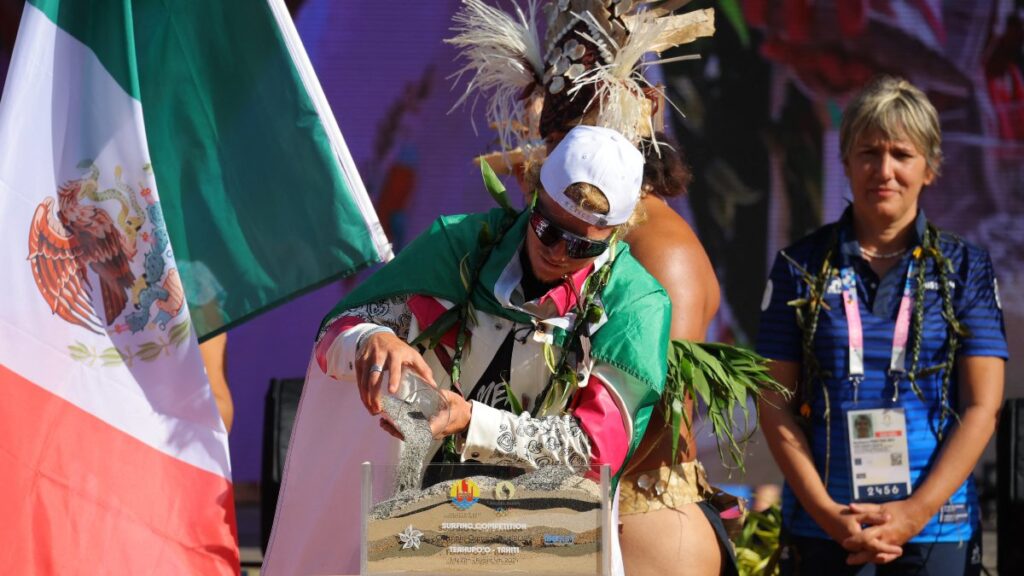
column 669, row 249
column 666, row 245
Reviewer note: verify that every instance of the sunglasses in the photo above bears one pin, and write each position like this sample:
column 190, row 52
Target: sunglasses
column 576, row 246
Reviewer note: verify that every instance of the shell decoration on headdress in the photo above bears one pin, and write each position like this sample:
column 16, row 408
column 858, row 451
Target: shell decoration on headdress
column 589, row 69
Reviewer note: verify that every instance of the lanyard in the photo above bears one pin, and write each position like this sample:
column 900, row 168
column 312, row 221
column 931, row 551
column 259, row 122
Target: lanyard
column 898, row 356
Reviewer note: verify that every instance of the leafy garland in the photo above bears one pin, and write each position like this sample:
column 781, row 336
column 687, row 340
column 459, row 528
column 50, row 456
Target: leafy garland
column 564, row 380
column 723, row 377
column 808, row 311
column 955, row 330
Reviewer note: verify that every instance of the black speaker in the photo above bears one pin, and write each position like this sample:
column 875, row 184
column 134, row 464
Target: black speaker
column 279, row 410
column 1010, row 462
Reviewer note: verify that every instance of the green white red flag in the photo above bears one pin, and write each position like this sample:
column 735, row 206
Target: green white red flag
column 141, row 178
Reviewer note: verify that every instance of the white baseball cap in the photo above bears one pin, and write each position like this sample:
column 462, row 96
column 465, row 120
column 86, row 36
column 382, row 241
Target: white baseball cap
column 600, row 157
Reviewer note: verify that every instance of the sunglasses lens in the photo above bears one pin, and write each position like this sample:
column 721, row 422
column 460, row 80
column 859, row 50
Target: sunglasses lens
column 547, row 233
column 575, row 246
column 581, row 248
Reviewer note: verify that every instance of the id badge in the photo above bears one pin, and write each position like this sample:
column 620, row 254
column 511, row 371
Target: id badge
column 879, row 459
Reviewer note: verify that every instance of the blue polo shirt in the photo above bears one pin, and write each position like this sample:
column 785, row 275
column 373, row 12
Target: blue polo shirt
column 976, row 303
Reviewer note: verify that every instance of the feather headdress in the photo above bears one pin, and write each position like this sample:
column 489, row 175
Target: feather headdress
column 603, row 42
column 504, row 58
column 591, row 71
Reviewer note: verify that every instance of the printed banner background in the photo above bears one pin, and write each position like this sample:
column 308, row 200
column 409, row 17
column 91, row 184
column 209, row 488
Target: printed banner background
column 760, row 132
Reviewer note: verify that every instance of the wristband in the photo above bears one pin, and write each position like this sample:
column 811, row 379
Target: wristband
column 365, row 335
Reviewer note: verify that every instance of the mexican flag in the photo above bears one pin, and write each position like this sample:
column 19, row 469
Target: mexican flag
column 166, row 169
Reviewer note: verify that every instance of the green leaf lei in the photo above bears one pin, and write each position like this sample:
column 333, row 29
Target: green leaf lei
column 808, row 310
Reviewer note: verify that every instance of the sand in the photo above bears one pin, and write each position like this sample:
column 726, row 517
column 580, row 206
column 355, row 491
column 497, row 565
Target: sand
column 550, row 505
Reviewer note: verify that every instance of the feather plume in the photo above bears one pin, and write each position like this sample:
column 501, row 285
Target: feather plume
column 679, row 29
column 621, row 104
column 618, row 85
column 504, row 58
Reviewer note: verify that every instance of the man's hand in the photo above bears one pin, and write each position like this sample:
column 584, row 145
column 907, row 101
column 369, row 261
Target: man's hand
column 385, row 352
column 453, row 420
column 388, row 426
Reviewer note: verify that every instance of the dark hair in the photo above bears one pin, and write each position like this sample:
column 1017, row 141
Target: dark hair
column 665, row 171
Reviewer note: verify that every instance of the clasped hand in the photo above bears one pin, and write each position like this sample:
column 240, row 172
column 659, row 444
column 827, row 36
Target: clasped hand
column 386, row 353
column 890, row 526
column 873, row 532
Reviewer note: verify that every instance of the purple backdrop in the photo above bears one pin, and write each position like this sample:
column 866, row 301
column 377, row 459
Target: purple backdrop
column 385, row 72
